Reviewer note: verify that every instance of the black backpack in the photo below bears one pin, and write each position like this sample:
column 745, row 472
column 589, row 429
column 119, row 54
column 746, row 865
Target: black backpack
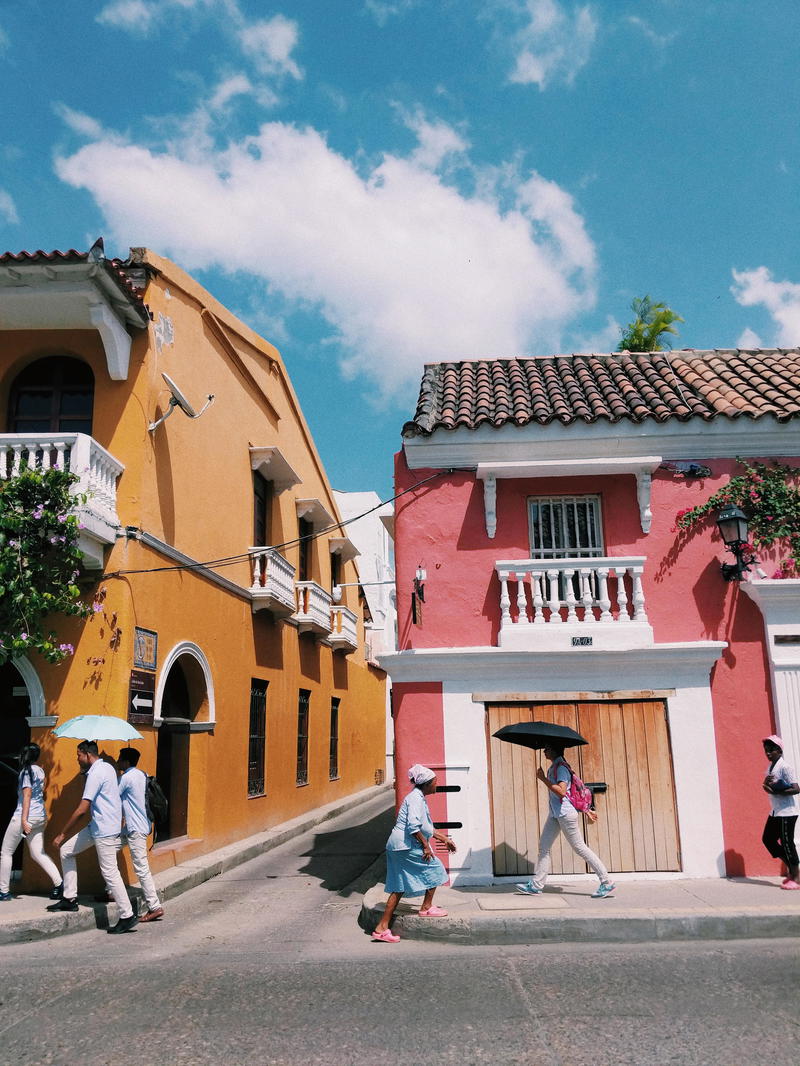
column 156, row 803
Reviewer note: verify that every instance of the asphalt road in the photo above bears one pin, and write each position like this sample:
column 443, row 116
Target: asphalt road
column 266, row 965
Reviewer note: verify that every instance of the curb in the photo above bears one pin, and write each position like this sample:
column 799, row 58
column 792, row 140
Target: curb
column 632, row 927
column 179, row 879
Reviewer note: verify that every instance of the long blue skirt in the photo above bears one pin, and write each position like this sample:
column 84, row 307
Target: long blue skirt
column 407, row 872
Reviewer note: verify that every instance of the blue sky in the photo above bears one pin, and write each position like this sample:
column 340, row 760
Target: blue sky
column 373, row 184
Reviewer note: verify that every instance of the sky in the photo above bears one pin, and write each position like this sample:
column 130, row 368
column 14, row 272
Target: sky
column 377, row 184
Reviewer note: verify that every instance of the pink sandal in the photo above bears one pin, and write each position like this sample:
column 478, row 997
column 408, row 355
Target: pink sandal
column 433, row 912
column 386, row 937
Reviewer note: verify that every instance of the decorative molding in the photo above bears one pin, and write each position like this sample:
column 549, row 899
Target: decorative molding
column 186, row 647
column 46, row 721
column 594, row 697
column 344, row 547
column 490, row 504
column 36, row 698
column 314, row 511
column 271, row 463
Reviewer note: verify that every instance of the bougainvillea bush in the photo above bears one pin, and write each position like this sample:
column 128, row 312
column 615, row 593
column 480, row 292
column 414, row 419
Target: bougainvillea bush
column 39, row 562
column 770, row 497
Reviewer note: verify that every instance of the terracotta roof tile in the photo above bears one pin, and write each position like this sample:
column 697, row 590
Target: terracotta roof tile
column 620, row 385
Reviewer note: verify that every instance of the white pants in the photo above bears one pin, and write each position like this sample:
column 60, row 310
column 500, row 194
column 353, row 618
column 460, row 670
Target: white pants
column 35, row 842
column 106, row 848
column 568, row 824
column 137, row 845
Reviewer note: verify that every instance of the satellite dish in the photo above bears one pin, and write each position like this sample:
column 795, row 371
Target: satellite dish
column 177, row 399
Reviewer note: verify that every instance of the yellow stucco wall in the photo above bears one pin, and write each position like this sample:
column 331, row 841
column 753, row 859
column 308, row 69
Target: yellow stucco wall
column 189, row 484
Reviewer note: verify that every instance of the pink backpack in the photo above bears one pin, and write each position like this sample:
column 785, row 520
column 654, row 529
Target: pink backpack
column 578, row 794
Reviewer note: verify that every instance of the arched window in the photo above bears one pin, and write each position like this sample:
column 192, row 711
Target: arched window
column 52, row 395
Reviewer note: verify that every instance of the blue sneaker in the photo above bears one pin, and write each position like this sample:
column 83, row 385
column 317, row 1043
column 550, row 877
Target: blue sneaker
column 5, row 897
column 528, row 889
column 605, row 889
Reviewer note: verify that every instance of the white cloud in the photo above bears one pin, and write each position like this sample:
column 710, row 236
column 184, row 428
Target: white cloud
column 79, row 122
column 404, row 267
column 270, row 44
column 554, row 44
column 383, row 10
column 605, row 339
column 135, row 16
column 660, row 40
column 781, row 299
column 437, row 141
column 749, row 339
column 8, row 209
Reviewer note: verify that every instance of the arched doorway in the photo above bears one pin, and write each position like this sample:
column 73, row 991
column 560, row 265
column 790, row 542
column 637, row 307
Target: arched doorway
column 14, row 734
column 184, row 705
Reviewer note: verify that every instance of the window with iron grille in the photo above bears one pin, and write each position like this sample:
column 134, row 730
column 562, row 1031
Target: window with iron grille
column 333, row 763
column 565, row 527
column 302, row 737
column 258, row 739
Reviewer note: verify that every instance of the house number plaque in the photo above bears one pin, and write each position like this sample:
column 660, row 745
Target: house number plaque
column 581, row 642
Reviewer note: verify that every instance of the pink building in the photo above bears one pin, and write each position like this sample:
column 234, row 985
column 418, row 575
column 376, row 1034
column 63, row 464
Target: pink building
column 556, row 587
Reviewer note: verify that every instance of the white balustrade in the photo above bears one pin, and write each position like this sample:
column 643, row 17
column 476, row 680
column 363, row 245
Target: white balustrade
column 344, row 631
column 582, row 595
column 97, row 472
column 272, row 586
column 313, row 608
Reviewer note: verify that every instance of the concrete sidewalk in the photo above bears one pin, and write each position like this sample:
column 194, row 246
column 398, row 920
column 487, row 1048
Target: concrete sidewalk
column 26, row 918
column 647, row 910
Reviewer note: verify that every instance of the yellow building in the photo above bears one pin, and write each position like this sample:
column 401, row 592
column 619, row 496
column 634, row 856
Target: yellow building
column 249, row 684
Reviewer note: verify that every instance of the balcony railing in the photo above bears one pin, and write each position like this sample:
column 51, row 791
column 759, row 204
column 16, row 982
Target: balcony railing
column 97, row 472
column 313, row 614
column 272, row 588
column 572, row 603
column 344, row 632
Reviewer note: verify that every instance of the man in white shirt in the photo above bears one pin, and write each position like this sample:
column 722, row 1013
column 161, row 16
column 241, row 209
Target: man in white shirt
column 102, row 803
column 132, row 790
column 781, row 784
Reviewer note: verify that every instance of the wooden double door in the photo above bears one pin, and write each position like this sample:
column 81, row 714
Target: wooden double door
column 628, row 749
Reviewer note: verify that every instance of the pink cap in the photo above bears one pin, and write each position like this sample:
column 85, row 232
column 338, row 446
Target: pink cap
column 776, row 740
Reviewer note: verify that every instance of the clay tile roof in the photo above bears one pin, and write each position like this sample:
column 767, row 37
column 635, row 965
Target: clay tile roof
column 620, row 385
column 115, row 269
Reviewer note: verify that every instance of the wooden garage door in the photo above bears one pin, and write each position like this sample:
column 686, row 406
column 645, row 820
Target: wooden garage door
column 628, row 748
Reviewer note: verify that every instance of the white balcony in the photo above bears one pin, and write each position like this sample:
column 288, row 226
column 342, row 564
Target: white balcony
column 97, row 472
column 344, row 631
column 272, row 588
column 560, row 604
column 313, row 614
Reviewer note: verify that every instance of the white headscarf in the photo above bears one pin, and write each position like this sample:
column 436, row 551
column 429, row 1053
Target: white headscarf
column 420, row 775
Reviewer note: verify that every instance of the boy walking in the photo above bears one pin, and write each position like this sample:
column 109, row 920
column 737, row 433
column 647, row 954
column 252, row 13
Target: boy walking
column 132, row 790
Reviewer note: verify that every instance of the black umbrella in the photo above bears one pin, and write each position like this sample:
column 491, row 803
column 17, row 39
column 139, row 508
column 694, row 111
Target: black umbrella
column 540, row 734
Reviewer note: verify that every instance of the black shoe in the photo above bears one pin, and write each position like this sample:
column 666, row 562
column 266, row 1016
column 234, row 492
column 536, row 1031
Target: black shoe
column 123, row 925
column 57, row 892
column 64, row 905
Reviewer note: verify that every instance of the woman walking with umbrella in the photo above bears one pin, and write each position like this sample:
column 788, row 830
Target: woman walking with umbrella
column 562, row 816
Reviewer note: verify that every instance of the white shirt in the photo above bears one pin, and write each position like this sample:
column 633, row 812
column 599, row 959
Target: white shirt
column 35, row 782
column 102, row 792
column 784, row 806
column 132, row 786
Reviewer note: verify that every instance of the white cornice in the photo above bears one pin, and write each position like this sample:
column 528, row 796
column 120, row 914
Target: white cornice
column 466, row 449
column 480, row 669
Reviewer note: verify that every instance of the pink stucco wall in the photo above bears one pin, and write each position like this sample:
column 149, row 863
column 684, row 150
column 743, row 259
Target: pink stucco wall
column 441, row 527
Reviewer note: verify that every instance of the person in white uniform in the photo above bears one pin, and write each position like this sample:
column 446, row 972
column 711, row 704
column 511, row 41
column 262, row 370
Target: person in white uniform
column 102, row 803
column 137, row 828
column 27, row 823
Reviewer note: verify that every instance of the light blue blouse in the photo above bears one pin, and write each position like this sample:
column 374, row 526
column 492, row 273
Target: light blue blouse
column 413, row 817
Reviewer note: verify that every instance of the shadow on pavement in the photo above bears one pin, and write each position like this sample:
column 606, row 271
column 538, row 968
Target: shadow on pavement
column 340, row 857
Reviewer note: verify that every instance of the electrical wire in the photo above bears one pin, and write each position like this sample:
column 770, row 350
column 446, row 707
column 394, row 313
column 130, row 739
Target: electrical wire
column 230, row 560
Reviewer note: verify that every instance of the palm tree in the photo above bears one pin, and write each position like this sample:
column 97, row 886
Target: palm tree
column 647, row 333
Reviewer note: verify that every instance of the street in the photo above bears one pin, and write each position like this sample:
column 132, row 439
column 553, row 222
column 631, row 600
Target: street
column 267, row 965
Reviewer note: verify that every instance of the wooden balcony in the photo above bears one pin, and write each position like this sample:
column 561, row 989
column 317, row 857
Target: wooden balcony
column 272, row 588
column 313, row 608
column 549, row 604
column 344, row 632
column 97, row 471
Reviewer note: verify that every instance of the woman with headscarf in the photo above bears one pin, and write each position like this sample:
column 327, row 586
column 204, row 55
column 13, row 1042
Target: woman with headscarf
column 28, row 822
column 411, row 867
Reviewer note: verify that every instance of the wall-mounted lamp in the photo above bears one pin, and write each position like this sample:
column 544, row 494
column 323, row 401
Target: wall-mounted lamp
column 732, row 525
column 418, row 596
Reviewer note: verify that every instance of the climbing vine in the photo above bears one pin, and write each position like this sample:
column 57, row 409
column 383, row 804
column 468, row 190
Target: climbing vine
column 39, row 562
column 770, row 497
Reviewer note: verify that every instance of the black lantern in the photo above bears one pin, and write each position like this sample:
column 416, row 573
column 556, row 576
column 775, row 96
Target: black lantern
column 732, row 525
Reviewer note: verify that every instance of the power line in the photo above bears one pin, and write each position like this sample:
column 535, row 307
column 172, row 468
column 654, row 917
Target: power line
column 230, row 560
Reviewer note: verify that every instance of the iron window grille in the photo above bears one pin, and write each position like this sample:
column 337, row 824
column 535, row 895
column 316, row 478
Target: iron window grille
column 302, row 736
column 256, row 761
column 333, row 761
column 566, row 527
